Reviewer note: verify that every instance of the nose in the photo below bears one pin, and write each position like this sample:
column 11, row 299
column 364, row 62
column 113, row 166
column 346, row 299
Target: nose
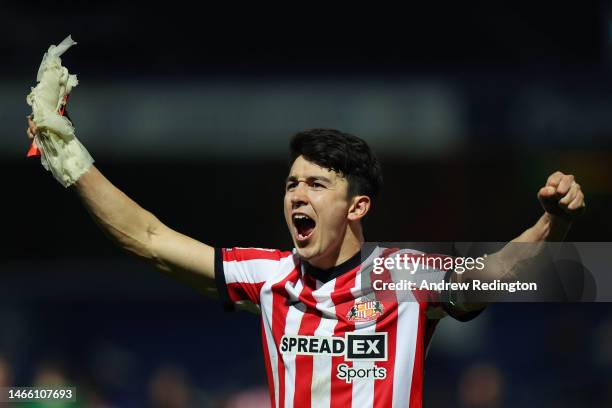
column 299, row 196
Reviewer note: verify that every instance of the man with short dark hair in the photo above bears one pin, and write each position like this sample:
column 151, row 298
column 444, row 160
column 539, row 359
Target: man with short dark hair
column 327, row 339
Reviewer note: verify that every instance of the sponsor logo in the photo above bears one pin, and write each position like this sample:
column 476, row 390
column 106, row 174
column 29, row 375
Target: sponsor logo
column 350, row 374
column 366, row 347
column 365, row 311
column 353, row 346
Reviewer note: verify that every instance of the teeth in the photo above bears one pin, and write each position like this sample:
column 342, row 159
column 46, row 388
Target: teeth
column 300, row 217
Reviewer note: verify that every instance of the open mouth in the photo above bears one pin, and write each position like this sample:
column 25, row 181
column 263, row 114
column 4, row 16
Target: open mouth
column 304, row 226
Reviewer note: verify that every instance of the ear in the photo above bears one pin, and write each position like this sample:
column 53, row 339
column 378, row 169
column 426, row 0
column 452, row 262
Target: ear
column 360, row 206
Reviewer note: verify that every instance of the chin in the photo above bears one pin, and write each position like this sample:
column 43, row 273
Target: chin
column 306, row 253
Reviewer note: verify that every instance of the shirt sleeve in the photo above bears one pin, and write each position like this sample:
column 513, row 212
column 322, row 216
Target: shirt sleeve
column 240, row 273
column 452, row 310
column 439, row 303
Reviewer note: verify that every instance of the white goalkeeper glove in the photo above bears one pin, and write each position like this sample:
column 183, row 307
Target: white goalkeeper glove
column 61, row 153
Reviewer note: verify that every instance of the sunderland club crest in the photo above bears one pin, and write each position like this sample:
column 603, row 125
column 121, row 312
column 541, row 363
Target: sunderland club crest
column 365, row 311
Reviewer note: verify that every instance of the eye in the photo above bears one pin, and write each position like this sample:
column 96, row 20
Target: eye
column 290, row 185
column 318, row 186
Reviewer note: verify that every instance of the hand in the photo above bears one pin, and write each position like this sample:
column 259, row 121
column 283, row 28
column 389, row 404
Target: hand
column 562, row 196
column 32, row 129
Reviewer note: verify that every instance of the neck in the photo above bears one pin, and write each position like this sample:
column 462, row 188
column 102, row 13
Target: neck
column 350, row 245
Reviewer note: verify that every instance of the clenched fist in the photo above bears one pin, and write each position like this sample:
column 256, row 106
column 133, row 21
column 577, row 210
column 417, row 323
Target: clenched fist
column 32, row 129
column 562, row 196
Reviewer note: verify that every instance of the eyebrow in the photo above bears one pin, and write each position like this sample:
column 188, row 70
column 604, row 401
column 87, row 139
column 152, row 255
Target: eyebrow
column 309, row 178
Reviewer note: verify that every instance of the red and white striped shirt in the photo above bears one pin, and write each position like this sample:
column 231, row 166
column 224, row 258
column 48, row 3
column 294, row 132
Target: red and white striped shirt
column 328, row 340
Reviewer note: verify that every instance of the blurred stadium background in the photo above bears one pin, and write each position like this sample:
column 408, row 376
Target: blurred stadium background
column 189, row 109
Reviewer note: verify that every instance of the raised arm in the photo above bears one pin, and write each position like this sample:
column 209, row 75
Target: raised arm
column 139, row 232
column 562, row 200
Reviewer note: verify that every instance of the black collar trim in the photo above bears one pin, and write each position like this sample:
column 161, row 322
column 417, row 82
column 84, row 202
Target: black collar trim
column 326, row 275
